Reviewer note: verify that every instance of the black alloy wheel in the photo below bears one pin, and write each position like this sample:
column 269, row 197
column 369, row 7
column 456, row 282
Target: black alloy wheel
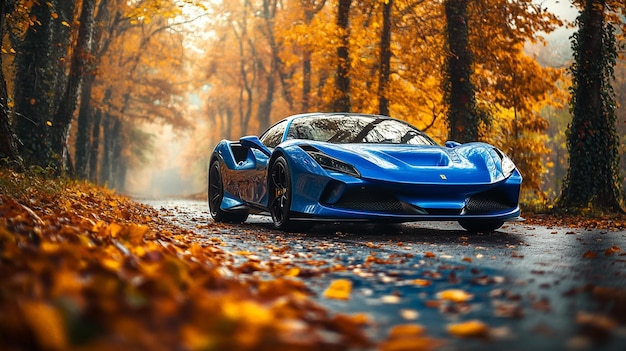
column 280, row 193
column 216, row 195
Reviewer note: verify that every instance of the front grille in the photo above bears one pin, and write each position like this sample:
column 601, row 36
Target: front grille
column 366, row 200
column 487, row 202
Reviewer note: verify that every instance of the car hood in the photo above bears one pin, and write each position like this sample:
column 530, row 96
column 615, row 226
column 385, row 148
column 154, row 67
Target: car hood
column 468, row 163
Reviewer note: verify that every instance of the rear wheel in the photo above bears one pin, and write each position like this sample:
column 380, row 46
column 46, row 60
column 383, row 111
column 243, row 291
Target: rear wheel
column 280, row 193
column 216, row 195
column 478, row 226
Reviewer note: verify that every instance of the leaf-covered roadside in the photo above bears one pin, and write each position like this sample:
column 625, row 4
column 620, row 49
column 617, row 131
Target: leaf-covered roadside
column 583, row 219
column 84, row 268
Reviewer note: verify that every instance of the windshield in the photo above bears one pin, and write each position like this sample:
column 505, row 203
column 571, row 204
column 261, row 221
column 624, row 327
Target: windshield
column 357, row 129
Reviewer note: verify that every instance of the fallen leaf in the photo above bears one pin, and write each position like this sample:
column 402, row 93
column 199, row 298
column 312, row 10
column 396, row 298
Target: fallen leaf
column 46, row 324
column 454, row 295
column 611, row 250
column 590, row 254
column 472, row 328
column 401, row 330
column 422, row 282
column 339, row 289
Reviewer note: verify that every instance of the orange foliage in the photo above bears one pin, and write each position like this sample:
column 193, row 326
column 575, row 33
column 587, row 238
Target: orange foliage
column 85, row 268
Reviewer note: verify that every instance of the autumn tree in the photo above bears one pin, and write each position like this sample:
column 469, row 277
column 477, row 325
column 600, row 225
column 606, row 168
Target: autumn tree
column 385, row 59
column 463, row 117
column 40, row 55
column 593, row 177
column 63, row 116
column 342, row 76
column 87, row 144
column 310, row 7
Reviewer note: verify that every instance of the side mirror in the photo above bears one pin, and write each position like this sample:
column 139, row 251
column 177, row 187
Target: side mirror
column 253, row 142
column 452, row 144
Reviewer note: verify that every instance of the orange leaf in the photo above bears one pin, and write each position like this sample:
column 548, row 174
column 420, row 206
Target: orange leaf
column 455, row 295
column 46, row 324
column 611, row 250
column 406, row 329
column 421, row 282
column 589, row 254
column 473, row 328
column 113, row 230
column 136, row 232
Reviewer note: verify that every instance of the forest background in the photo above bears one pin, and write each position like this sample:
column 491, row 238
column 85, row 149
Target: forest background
column 138, row 92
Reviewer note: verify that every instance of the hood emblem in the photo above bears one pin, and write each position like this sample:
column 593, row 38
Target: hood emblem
column 443, row 177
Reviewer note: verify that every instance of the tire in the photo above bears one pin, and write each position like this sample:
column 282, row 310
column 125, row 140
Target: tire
column 478, row 226
column 216, row 195
column 280, row 191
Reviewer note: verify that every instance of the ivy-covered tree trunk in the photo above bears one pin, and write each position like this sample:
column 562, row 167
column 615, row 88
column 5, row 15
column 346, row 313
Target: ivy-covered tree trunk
column 385, row 60
column 8, row 148
column 342, row 78
column 593, row 175
column 459, row 93
column 35, row 84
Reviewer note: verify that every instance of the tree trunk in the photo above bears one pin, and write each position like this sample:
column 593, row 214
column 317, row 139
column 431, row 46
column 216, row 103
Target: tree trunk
column 84, row 128
column 311, row 7
column 385, row 60
column 342, row 79
column 593, row 175
column 462, row 115
column 8, row 148
column 107, row 147
column 94, row 147
column 80, row 58
column 34, row 88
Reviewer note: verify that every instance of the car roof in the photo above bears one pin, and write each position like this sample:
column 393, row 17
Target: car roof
column 332, row 114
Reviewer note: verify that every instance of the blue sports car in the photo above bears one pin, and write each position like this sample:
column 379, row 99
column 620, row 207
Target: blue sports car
column 360, row 167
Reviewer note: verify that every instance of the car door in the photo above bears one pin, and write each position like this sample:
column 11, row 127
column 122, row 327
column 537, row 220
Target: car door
column 257, row 177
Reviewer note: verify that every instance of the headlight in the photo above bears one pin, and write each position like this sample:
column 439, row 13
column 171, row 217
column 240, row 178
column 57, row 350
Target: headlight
column 333, row 164
column 507, row 164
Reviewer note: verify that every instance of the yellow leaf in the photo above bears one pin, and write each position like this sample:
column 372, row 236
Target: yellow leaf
column 293, row 272
column 136, row 233
column 455, row 295
column 473, row 328
column 339, row 289
column 111, row 264
column 65, row 24
column 195, row 339
column 46, row 324
column 114, row 229
column 49, row 247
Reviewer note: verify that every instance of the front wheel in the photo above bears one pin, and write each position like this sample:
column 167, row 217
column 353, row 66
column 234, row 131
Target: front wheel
column 480, row 226
column 216, row 195
column 280, row 193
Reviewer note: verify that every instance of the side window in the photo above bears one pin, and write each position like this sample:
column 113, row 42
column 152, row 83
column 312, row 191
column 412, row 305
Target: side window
column 273, row 136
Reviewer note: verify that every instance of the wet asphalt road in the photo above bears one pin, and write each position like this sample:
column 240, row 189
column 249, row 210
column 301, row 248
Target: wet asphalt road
column 536, row 288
